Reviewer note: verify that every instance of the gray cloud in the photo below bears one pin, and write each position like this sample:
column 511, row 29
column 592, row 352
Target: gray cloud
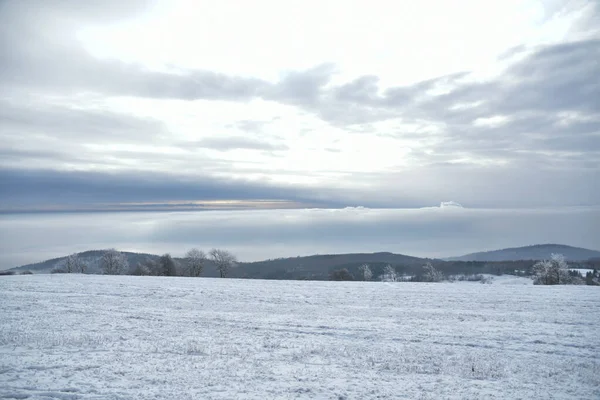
column 39, row 189
column 553, row 78
column 302, row 88
column 250, row 126
column 75, row 124
column 226, row 143
column 39, row 51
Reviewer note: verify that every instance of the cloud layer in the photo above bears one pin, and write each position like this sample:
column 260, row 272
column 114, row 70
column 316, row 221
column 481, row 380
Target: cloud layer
column 79, row 128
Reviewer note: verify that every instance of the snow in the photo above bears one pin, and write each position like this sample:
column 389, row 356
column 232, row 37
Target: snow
column 582, row 271
column 123, row 337
column 508, row 279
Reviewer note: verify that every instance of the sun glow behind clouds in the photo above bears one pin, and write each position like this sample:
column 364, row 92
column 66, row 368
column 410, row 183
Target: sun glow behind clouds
column 399, row 42
column 432, row 37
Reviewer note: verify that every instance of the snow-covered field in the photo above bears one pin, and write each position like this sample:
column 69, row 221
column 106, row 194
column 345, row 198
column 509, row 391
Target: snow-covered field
column 103, row 337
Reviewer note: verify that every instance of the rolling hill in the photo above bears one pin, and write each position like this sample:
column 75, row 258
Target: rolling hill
column 319, row 267
column 310, row 267
column 535, row 252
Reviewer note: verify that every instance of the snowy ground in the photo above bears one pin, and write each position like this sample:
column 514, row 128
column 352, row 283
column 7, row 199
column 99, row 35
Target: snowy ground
column 97, row 337
column 508, row 280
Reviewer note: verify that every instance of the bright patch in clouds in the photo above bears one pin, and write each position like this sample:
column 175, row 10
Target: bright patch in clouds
column 401, row 42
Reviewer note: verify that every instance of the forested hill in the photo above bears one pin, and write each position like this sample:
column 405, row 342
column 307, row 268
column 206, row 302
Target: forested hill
column 90, row 258
column 535, row 252
column 321, row 267
column 309, row 267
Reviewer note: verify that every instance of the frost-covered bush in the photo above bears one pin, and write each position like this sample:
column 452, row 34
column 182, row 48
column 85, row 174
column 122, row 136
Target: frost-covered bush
column 469, row 278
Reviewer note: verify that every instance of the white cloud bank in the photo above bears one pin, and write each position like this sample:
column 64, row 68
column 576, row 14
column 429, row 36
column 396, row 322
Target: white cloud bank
column 450, row 204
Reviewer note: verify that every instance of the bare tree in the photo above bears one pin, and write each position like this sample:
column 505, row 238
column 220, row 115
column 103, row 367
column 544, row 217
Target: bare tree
column 194, row 262
column 366, row 272
column 113, row 262
column 431, row 274
column 74, row 264
column 223, row 260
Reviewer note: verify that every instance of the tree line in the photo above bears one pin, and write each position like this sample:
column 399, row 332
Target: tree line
column 554, row 271
column 113, row 262
column 389, row 274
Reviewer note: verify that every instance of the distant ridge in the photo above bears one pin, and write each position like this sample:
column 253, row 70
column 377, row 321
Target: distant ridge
column 314, row 265
column 91, row 259
column 321, row 265
column 534, row 252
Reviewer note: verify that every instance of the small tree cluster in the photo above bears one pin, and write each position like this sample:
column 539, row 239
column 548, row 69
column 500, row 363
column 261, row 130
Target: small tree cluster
column 195, row 260
column 113, row 262
column 167, row 265
column 193, row 264
column 592, row 278
column 74, row 264
column 554, row 271
column 341, row 275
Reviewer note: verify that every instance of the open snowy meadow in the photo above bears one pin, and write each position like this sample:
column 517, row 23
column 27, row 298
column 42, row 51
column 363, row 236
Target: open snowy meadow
column 124, row 337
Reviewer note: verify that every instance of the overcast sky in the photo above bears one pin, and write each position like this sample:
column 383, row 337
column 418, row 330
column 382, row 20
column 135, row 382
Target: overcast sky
column 396, row 104
column 373, row 103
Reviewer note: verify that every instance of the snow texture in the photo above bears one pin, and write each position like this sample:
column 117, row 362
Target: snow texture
column 121, row 337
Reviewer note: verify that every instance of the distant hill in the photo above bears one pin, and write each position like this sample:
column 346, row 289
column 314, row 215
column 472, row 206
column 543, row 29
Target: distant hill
column 535, row 252
column 90, row 258
column 310, row 267
column 319, row 267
